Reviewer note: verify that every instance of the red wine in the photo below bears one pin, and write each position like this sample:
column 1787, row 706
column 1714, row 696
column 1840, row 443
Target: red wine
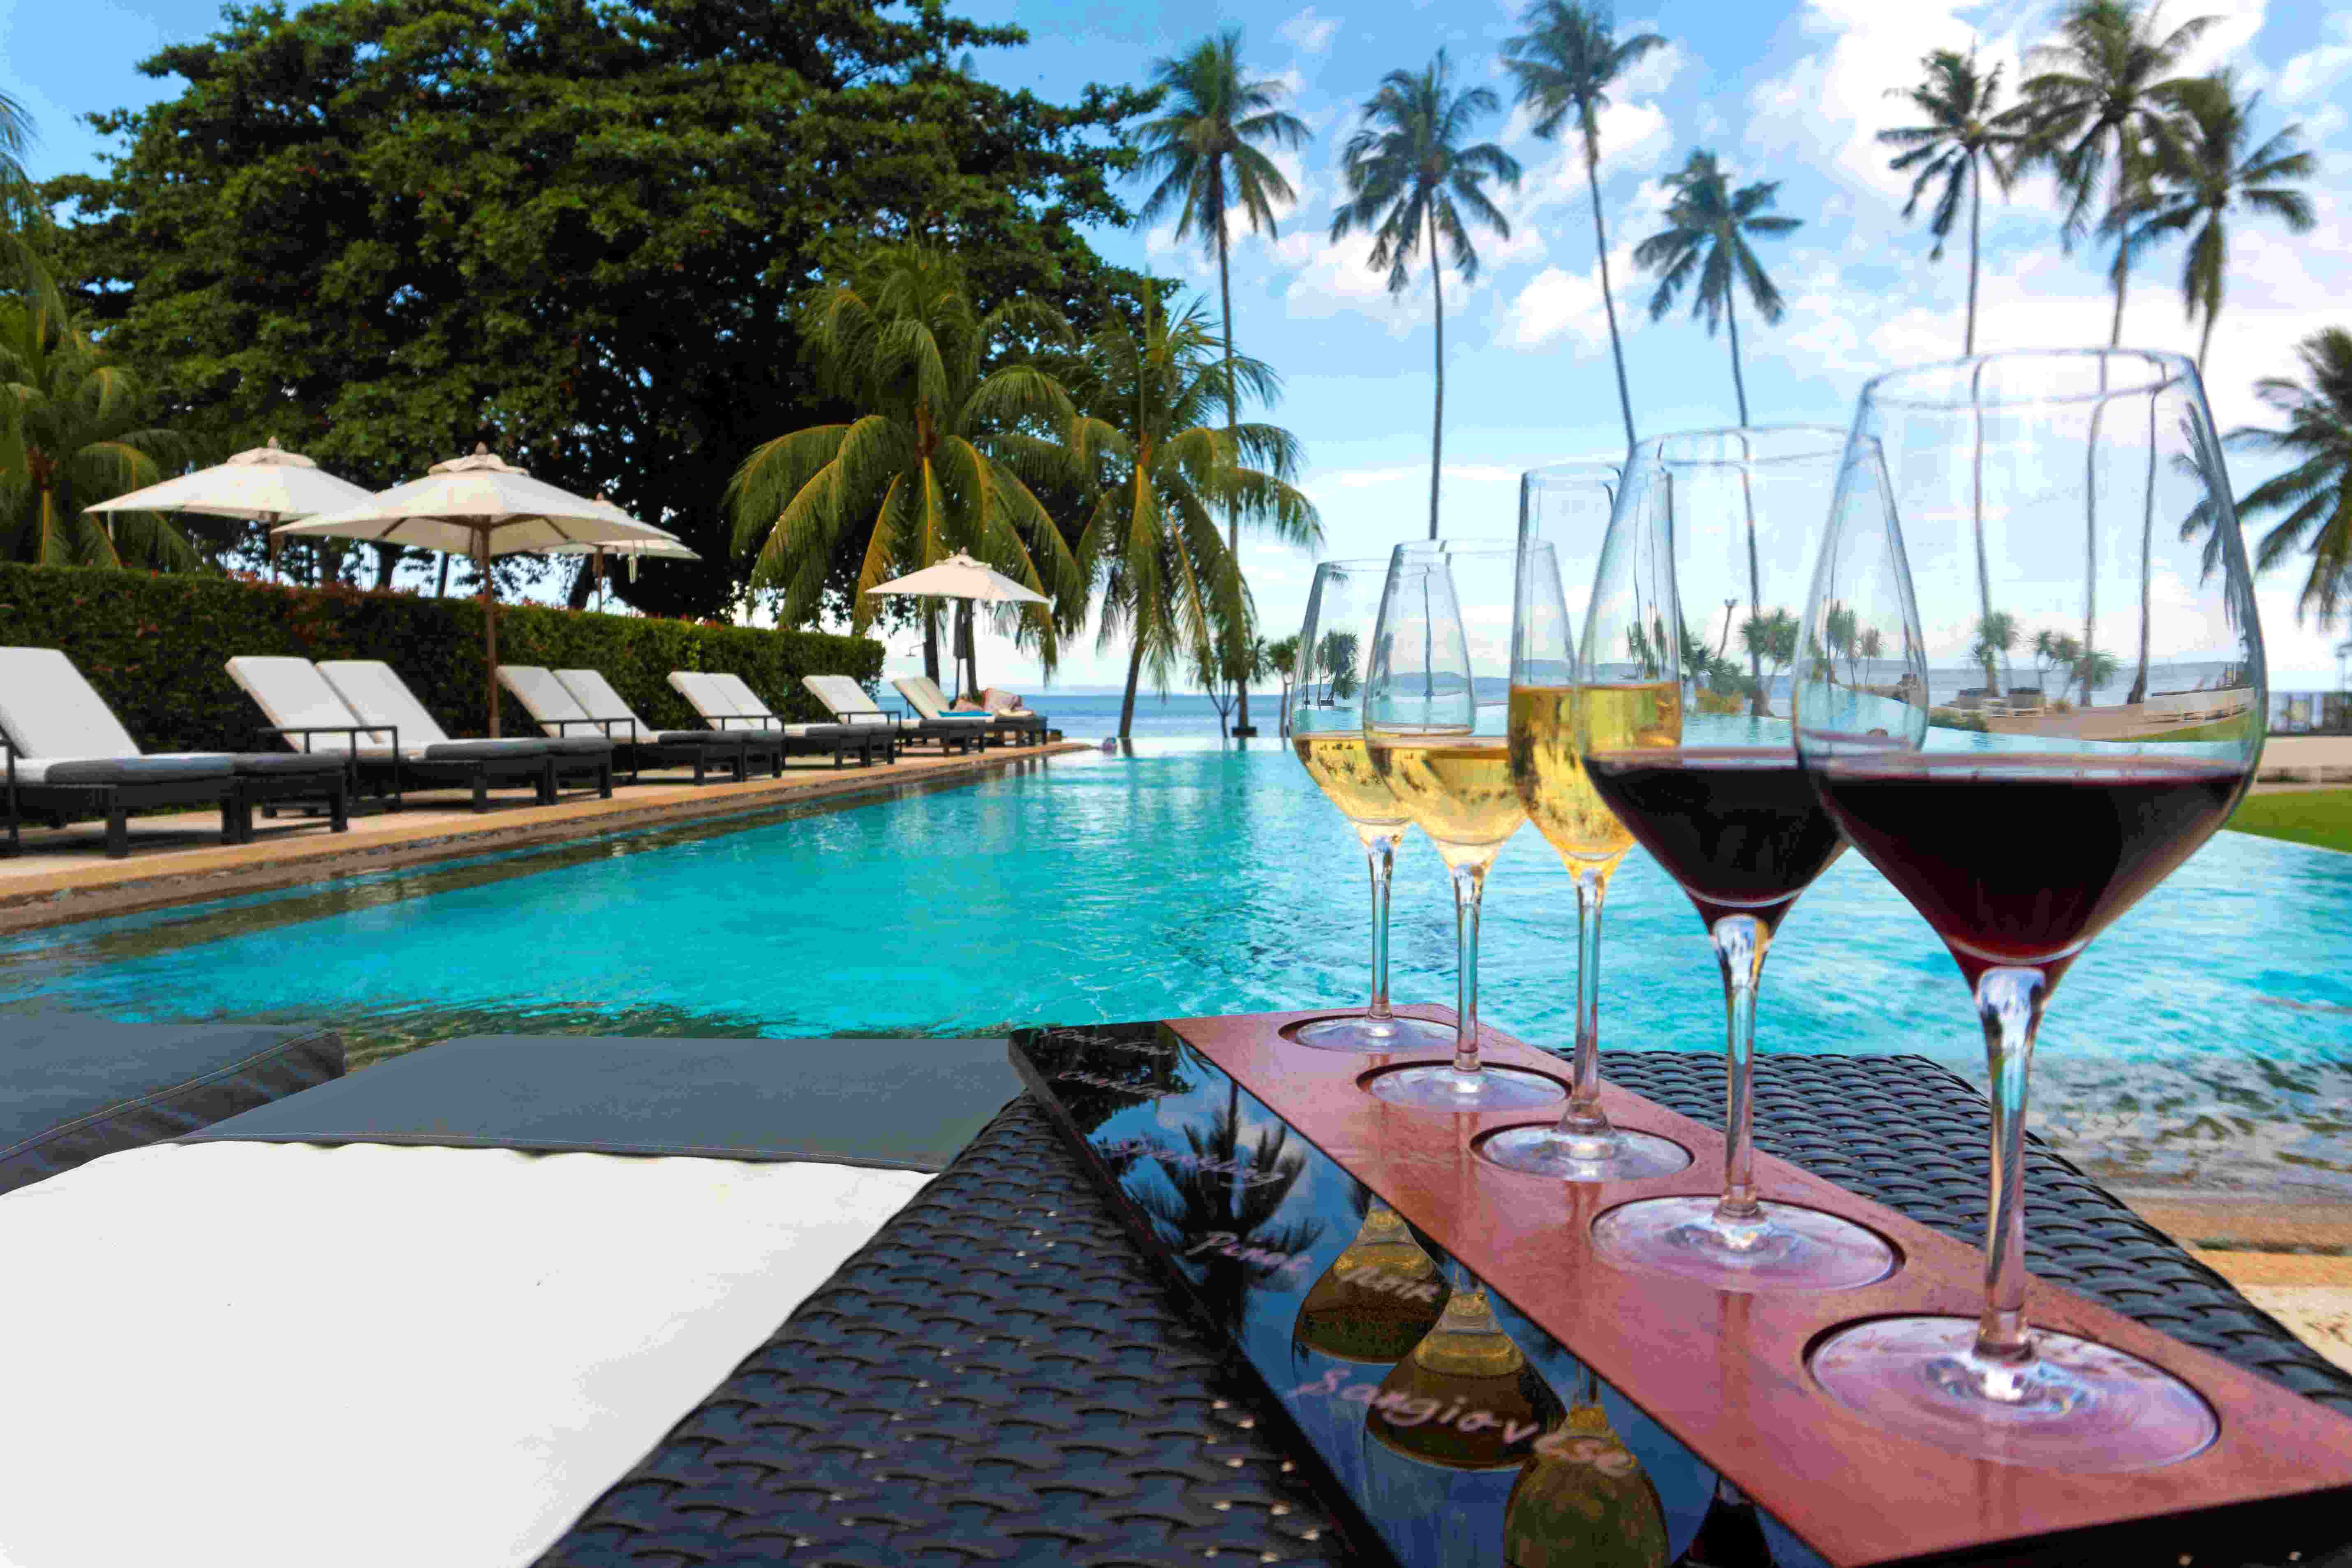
column 2022, row 859
column 1742, row 830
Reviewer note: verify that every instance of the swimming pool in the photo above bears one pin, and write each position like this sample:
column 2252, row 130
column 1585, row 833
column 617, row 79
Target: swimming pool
column 2205, row 1042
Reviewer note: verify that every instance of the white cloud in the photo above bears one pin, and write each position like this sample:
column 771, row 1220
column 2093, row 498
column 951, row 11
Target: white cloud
column 1556, row 306
column 2321, row 68
column 1308, row 33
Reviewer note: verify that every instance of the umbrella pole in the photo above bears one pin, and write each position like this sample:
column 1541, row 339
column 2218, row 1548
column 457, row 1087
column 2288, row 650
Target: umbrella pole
column 600, row 581
column 490, row 630
column 274, row 542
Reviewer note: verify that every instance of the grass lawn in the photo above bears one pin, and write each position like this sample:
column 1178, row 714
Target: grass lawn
column 2321, row 816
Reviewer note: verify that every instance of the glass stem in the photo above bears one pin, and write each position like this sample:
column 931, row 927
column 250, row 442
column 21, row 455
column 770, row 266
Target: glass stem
column 1379, row 849
column 1469, row 885
column 1584, row 1118
column 2009, row 1002
column 1742, row 942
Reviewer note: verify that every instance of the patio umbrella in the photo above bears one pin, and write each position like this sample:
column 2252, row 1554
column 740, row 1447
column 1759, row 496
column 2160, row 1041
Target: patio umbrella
column 267, row 484
column 635, row 548
column 481, row 507
column 972, row 581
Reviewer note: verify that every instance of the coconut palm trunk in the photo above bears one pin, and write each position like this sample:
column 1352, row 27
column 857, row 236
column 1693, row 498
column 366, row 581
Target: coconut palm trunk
column 1134, row 674
column 1232, row 418
column 1437, row 420
column 1738, row 382
column 1608, row 303
column 1975, row 223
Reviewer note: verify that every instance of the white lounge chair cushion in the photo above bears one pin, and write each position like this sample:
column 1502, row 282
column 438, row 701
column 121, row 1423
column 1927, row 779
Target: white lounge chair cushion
column 377, row 694
column 597, row 699
column 844, row 697
column 49, row 711
column 419, row 1355
column 291, row 693
column 548, row 700
column 703, row 694
column 739, row 691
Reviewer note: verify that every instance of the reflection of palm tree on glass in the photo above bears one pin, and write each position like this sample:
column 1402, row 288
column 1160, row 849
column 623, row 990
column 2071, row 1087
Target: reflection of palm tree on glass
column 1584, row 1500
column 1221, row 1187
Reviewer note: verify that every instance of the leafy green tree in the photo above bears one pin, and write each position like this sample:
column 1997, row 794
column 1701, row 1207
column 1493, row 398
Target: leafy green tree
column 1410, row 178
column 1705, row 240
column 2316, row 494
column 1160, row 470
column 932, row 462
column 1282, row 663
column 382, row 230
column 1838, row 631
column 72, row 433
column 1202, row 145
column 2103, row 103
column 2054, row 650
column 1564, row 64
column 1769, row 638
column 1964, row 137
column 1335, row 659
column 1996, row 636
column 2208, row 172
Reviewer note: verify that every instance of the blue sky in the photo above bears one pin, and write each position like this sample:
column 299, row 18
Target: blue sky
column 1787, row 92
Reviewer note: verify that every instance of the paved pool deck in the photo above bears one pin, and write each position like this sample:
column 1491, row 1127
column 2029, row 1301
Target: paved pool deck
column 64, row 875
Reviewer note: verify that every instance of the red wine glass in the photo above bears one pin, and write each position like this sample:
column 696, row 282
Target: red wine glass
column 1700, row 585
column 2033, row 685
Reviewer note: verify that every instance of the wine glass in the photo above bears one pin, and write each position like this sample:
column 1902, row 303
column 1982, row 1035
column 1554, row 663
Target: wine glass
column 1436, row 693
column 1720, row 517
column 2052, row 507
column 1327, row 730
column 1564, row 509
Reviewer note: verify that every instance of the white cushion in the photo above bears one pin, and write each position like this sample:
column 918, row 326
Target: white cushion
column 291, row 693
column 379, row 696
column 49, row 711
column 739, row 691
column 844, row 697
column 923, row 693
column 380, row 1357
column 704, row 694
column 545, row 698
column 598, row 699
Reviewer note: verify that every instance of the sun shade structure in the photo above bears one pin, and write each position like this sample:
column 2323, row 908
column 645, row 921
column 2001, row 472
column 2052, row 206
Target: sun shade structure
column 664, row 549
column 265, row 484
column 962, row 577
column 481, row 506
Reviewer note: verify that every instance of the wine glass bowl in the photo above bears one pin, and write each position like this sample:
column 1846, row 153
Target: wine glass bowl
column 2069, row 514
column 1326, row 734
column 1436, row 696
column 1693, row 629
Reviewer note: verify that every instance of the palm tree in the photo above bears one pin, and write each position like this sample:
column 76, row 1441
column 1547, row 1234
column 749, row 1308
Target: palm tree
column 932, row 466
column 1563, row 64
column 2316, row 493
column 2102, row 105
column 1204, row 150
column 1408, row 176
column 1282, row 660
column 23, row 219
column 1708, row 226
column 71, row 435
column 2208, row 172
column 1160, row 469
column 1964, row 138
column 1996, row 636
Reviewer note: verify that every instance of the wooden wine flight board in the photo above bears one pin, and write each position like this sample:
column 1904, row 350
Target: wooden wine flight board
column 1724, row 1373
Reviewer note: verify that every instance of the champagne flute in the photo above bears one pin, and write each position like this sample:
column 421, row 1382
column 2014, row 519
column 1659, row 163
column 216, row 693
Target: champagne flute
column 1721, row 517
column 1327, row 730
column 2072, row 504
column 1562, row 509
column 1436, row 698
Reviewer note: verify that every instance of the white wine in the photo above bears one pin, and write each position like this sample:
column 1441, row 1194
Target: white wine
column 1455, row 788
column 1338, row 763
column 1548, row 765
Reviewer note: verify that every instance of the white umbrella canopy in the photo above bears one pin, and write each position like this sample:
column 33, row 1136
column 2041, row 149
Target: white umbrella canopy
column 663, row 548
column 265, row 484
column 962, row 577
column 482, row 507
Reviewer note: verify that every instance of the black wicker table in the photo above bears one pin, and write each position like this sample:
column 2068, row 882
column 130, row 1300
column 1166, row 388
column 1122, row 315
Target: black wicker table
column 1001, row 1376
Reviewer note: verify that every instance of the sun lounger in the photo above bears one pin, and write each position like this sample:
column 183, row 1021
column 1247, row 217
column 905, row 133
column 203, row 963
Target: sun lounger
column 739, row 749
column 727, row 703
column 310, row 716
column 561, row 715
column 376, row 692
column 848, row 704
column 67, row 756
column 924, row 692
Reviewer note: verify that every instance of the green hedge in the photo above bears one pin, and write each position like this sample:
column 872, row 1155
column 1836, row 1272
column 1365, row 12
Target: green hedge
column 154, row 645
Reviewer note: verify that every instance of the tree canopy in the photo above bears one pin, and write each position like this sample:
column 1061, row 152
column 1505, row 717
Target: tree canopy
column 382, row 230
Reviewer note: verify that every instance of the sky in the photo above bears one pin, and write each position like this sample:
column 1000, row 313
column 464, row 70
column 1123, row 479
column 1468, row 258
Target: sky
column 1793, row 92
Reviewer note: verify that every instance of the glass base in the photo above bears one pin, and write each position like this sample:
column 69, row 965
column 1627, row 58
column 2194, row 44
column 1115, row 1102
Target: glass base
column 1616, row 1155
column 1785, row 1248
column 2076, row 1406
column 1362, row 1032
column 1441, row 1087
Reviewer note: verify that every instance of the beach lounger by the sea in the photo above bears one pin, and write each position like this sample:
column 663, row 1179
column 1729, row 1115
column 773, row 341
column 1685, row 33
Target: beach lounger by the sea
column 727, row 701
column 848, row 704
column 310, row 716
column 376, row 692
column 742, row 749
column 67, row 756
column 557, row 710
column 924, row 693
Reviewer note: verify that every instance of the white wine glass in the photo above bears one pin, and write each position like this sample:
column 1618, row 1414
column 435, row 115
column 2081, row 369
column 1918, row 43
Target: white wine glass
column 2070, row 508
column 1564, row 513
column 1327, row 733
column 1436, row 699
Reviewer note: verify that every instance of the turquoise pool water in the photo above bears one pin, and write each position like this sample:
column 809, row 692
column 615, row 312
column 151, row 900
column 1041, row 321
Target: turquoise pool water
column 2205, row 1041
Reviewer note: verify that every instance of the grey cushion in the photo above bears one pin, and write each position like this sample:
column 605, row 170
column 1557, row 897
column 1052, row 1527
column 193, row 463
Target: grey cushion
column 904, row 1104
column 88, row 770
column 482, row 751
column 73, row 1087
column 579, row 745
column 831, row 732
column 276, row 764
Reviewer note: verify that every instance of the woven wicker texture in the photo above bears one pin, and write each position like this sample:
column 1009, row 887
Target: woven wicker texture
column 999, row 1378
